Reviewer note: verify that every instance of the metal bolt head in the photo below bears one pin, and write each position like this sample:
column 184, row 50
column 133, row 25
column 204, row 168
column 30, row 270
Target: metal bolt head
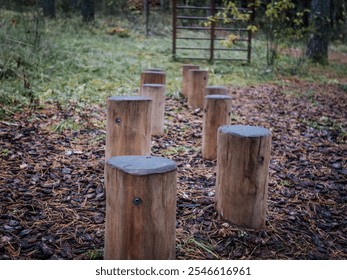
column 137, row 201
column 117, row 120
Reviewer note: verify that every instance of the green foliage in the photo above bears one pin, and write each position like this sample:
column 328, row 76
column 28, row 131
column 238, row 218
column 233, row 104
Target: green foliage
column 282, row 23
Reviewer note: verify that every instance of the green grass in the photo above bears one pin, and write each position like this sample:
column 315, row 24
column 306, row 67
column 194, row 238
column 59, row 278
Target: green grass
column 65, row 60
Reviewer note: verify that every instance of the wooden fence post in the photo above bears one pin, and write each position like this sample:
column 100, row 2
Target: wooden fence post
column 211, row 90
column 243, row 157
column 216, row 113
column 156, row 92
column 185, row 77
column 140, row 208
column 128, row 126
column 197, row 82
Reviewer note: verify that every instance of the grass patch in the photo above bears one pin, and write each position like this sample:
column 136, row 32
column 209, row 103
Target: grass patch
column 65, row 60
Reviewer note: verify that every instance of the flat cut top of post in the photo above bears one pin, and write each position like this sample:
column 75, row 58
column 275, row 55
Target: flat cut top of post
column 161, row 73
column 198, row 70
column 245, row 130
column 142, row 165
column 216, row 87
column 218, row 96
column 154, row 70
column 154, row 85
column 128, row 98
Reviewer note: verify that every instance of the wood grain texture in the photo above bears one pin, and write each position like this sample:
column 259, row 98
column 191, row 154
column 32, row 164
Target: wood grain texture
column 197, row 83
column 218, row 90
column 185, row 77
column 128, row 126
column 156, row 92
column 152, row 77
column 243, row 157
column 217, row 110
column 143, row 228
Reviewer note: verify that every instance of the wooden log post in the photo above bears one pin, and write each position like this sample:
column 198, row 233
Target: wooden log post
column 140, row 208
column 243, row 157
column 128, row 126
column 152, row 77
column 212, row 90
column 185, row 77
column 156, row 92
column 197, row 82
column 217, row 112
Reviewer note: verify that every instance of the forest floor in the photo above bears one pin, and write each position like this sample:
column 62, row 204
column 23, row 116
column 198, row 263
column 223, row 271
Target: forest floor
column 52, row 199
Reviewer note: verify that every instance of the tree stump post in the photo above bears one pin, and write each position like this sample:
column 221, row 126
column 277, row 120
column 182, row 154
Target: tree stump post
column 217, row 112
column 243, row 157
column 156, row 92
column 212, row 90
column 152, row 77
column 197, row 82
column 128, row 126
column 185, row 77
column 140, row 208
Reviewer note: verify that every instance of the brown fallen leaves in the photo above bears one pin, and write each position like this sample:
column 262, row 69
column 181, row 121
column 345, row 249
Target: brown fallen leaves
column 52, row 200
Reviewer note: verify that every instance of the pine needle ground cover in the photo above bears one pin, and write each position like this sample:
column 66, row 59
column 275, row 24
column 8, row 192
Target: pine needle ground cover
column 52, row 198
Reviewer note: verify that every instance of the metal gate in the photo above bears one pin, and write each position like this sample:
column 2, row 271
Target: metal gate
column 195, row 37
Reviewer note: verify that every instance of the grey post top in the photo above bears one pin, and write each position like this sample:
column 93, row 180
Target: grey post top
column 154, row 85
column 245, row 130
column 218, row 96
column 216, row 87
column 128, row 98
column 142, row 165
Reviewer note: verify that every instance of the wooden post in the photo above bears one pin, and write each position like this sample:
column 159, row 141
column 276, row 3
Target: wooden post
column 243, row 157
column 128, row 126
column 140, row 208
column 211, row 90
column 152, row 77
column 197, row 81
column 156, row 92
column 185, row 77
column 216, row 113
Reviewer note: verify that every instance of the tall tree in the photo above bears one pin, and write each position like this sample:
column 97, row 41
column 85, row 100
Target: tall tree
column 317, row 48
column 48, row 7
column 87, row 10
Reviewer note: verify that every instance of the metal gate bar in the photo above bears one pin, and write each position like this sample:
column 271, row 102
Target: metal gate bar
column 211, row 29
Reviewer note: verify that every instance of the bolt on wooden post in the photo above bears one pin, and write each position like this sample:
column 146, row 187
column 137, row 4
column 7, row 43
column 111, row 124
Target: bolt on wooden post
column 197, row 82
column 156, row 92
column 185, row 77
column 128, row 126
column 216, row 113
column 243, row 157
column 140, row 208
column 218, row 90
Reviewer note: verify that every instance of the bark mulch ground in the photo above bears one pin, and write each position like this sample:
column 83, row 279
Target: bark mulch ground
column 52, row 199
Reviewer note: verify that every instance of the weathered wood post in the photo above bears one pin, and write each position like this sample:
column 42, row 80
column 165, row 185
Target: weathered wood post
column 128, row 126
column 243, row 157
column 197, row 82
column 185, row 77
column 216, row 113
column 140, row 208
column 211, row 90
column 152, row 77
column 156, row 92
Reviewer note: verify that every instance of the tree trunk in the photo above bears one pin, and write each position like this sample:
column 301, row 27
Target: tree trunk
column 317, row 48
column 87, row 10
column 48, row 7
